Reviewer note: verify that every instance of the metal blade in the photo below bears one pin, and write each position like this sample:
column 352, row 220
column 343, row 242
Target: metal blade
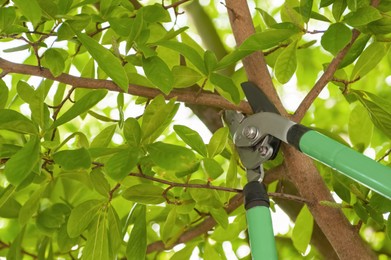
column 257, row 99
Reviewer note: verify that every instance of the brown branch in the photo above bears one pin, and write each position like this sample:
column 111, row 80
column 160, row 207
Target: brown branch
column 185, row 185
column 235, row 202
column 5, row 245
column 175, row 5
column 384, row 156
column 198, row 230
column 254, row 64
column 111, row 192
column 190, row 97
column 326, row 77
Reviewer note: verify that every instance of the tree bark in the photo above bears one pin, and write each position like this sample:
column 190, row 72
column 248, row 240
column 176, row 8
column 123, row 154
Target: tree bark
column 300, row 169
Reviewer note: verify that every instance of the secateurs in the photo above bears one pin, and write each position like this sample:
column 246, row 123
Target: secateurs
column 258, row 137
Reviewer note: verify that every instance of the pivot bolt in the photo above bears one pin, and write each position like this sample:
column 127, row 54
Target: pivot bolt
column 250, row 132
column 263, row 150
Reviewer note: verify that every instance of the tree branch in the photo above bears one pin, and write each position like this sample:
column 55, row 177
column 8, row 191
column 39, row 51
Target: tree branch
column 326, row 77
column 235, row 202
column 299, row 168
column 202, row 98
column 254, row 64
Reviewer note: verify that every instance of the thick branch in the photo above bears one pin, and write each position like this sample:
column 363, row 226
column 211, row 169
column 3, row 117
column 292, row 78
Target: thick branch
column 299, row 168
column 203, row 98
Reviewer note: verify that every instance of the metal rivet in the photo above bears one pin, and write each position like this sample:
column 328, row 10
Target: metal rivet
column 250, row 132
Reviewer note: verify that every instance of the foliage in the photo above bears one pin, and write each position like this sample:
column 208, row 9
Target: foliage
column 84, row 176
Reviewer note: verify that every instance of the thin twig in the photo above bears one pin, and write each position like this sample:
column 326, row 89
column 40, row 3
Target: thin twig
column 384, row 156
column 174, row 5
column 327, row 76
column 323, row 80
column 111, row 192
column 185, row 185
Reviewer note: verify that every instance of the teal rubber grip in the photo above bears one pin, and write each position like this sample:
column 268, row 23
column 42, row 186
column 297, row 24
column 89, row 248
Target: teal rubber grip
column 349, row 162
column 260, row 229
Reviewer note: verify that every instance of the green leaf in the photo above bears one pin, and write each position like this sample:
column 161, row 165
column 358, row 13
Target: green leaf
column 10, row 208
column 157, row 116
column 3, row 94
column 99, row 182
column 369, row 59
column 23, row 162
column 106, row 60
column 184, row 76
column 171, row 157
column 15, row 250
column 121, row 164
column 212, row 168
column 378, row 108
column 336, row 38
column 114, row 231
column 137, row 244
column 30, row 9
column 232, row 178
column 306, row 9
column 156, row 13
column 71, row 160
column 55, row 61
column 52, row 218
column 302, row 231
column 187, row 51
column 30, row 207
column 97, row 244
column 104, row 137
column 361, row 211
column 191, row 138
column 16, row 122
column 81, row 106
column 217, row 142
column 137, row 26
column 81, row 216
column 267, row 39
column 286, row 63
column 132, row 132
column 168, row 230
column 360, row 128
column 8, row 16
column 221, row 216
column 380, row 203
column 184, row 253
column 227, row 85
column 121, row 25
column 144, row 194
column 338, row 9
column 232, row 58
column 362, row 16
column 267, row 18
column 324, row 3
column 355, row 51
column 157, row 71
column 388, row 227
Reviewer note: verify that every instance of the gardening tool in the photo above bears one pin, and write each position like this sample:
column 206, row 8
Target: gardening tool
column 257, row 138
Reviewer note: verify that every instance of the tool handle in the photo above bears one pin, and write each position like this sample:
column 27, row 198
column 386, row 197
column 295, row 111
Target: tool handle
column 259, row 222
column 349, row 162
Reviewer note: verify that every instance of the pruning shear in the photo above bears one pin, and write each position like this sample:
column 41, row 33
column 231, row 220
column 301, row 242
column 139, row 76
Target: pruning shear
column 257, row 139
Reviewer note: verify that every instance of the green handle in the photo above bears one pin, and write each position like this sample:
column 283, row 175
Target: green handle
column 347, row 161
column 261, row 234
